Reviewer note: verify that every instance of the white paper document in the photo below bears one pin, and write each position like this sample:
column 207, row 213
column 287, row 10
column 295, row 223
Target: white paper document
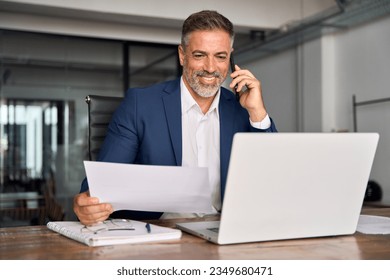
column 373, row 224
column 150, row 188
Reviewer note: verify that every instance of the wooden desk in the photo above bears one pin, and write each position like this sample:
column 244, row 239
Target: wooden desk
column 37, row 242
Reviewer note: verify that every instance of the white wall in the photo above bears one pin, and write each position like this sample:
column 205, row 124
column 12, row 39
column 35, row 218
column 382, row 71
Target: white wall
column 363, row 69
column 278, row 80
column 363, row 66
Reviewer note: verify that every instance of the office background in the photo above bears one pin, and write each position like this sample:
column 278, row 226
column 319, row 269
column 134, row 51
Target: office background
column 312, row 57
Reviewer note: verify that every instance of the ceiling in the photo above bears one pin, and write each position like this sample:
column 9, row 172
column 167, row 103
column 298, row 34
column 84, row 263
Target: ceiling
column 126, row 21
column 262, row 25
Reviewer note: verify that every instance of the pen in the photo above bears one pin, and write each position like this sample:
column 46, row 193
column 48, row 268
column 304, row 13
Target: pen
column 148, row 227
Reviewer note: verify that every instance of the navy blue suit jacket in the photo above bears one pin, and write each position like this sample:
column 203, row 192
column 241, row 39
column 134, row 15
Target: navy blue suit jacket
column 146, row 129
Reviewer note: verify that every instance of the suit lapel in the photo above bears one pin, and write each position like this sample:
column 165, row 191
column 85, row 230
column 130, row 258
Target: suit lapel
column 226, row 118
column 172, row 105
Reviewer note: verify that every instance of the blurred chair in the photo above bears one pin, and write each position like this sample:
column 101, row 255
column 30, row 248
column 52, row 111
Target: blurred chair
column 100, row 110
column 53, row 209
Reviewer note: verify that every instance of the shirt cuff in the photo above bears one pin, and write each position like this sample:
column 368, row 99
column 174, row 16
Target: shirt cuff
column 264, row 124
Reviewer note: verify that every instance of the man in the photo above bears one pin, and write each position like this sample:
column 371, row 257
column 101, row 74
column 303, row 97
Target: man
column 186, row 122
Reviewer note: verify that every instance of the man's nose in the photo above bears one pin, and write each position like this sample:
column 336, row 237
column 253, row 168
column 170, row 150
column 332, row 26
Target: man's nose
column 210, row 65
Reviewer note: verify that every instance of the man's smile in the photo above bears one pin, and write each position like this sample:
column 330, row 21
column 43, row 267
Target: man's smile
column 208, row 79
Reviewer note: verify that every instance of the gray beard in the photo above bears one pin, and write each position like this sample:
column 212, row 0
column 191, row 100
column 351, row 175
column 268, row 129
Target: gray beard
column 200, row 89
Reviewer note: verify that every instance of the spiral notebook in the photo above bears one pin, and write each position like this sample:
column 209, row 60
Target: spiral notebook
column 113, row 232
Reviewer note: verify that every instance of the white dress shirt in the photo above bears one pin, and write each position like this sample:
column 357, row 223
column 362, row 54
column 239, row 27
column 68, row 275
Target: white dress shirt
column 201, row 145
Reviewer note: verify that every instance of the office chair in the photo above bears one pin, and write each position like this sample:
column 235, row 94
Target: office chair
column 100, row 110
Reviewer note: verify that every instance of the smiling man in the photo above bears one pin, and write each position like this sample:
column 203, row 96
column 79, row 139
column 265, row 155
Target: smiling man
column 190, row 121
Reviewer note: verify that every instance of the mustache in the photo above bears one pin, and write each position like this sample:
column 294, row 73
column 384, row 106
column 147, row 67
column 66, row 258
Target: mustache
column 203, row 73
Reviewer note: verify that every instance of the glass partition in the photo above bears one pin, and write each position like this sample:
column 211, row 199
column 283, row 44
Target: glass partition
column 44, row 80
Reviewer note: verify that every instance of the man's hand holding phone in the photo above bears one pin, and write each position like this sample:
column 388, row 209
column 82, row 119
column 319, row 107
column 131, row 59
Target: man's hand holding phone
column 248, row 91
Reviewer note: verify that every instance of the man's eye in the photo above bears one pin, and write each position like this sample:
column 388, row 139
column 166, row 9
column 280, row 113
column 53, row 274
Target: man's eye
column 198, row 55
column 221, row 57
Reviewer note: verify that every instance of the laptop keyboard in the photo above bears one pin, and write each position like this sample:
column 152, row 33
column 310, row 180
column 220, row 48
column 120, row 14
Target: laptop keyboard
column 215, row 229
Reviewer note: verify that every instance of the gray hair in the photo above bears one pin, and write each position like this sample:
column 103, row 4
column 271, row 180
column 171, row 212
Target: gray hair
column 203, row 21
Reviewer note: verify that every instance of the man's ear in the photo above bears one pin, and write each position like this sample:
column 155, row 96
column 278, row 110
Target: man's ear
column 181, row 54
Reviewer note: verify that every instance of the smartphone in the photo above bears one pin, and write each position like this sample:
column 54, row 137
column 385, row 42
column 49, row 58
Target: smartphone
column 232, row 64
column 233, row 68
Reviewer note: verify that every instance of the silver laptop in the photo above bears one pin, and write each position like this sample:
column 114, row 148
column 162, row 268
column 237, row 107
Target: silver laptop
column 291, row 185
